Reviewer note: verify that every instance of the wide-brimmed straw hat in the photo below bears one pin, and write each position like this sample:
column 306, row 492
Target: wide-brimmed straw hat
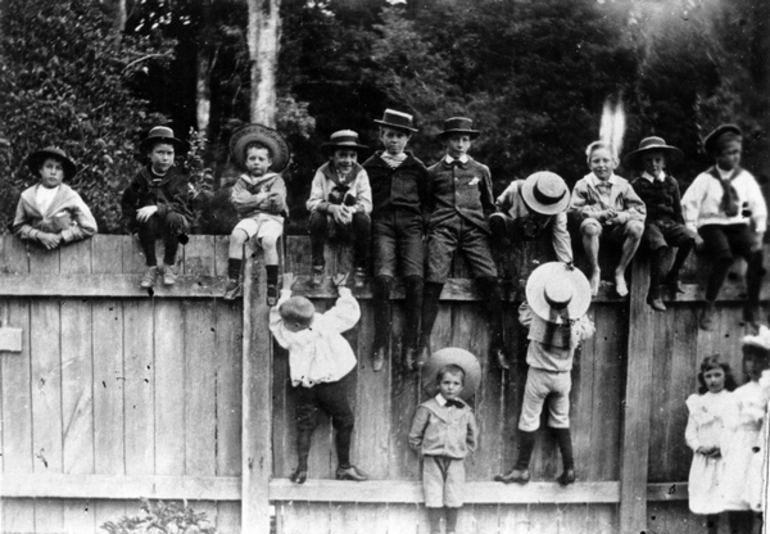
column 162, row 133
column 461, row 358
column 36, row 159
column 647, row 144
column 344, row 139
column 458, row 126
column 259, row 133
column 546, row 192
column 398, row 120
column 761, row 339
column 554, row 286
column 297, row 310
column 711, row 141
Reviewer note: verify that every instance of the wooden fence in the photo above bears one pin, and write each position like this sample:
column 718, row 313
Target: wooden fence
column 118, row 394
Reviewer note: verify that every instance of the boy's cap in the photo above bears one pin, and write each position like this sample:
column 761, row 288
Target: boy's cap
column 457, row 356
column 161, row 133
column 711, row 141
column 36, row 159
column 344, row 139
column 458, row 125
column 259, row 133
column 297, row 310
column 553, row 287
column 546, row 193
column 398, row 120
column 633, row 159
column 760, row 340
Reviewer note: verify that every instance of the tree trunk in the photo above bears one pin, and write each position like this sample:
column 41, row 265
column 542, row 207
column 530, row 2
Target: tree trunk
column 264, row 35
column 203, row 72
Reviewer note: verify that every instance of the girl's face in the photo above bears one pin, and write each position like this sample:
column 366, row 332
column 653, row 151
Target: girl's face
column 258, row 161
column 602, row 163
column 654, row 162
column 714, row 379
column 51, row 173
column 450, row 385
column 394, row 141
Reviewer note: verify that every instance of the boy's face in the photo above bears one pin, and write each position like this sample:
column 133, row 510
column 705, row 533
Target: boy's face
column 51, row 173
column 450, row 385
column 730, row 157
column 393, row 140
column 602, row 163
column 258, row 161
column 458, row 145
column 654, row 162
column 344, row 159
column 162, row 157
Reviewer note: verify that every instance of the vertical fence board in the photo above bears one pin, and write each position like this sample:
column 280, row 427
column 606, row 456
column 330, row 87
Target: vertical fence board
column 13, row 255
column 79, row 517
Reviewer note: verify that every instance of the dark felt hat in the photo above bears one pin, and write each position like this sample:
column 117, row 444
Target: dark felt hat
column 554, row 286
column 36, row 159
column 632, row 159
column 164, row 134
column 546, row 193
column 458, row 125
column 452, row 355
column 259, row 133
column 344, row 139
column 711, row 141
column 398, row 120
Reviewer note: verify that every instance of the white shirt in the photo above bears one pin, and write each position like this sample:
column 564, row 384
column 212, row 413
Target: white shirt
column 44, row 196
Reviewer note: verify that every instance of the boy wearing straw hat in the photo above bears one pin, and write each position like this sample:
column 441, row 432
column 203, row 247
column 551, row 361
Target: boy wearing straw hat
column 664, row 226
column 726, row 207
column 51, row 213
column 259, row 197
column 155, row 204
column 558, row 297
column 340, row 203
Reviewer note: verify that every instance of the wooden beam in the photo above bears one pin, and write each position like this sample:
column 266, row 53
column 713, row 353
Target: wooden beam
column 667, row 491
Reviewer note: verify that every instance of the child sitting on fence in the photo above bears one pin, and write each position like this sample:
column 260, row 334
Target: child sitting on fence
column 320, row 364
column 706, row 436
column 603, row 203
column 444, row 432
column 259, row 197
column 664, row 226
column 726, row 206
column 558, row 297
column 51, row 213
column 340, row 204
column 155, row 204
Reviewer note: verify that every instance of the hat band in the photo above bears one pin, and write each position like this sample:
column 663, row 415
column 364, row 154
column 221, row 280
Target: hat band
column 545, row 199
column 397, row 120
column 346, row 140
column 557, row 305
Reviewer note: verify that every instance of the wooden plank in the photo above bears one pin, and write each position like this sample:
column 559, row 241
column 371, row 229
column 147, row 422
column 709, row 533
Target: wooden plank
column 545, row 519
column 76, row 257
column 79, row 516
column 42, row 261
column 106, row 255
column 374, row 517
column 13, row 255
column 18, row 515
column 170, row 368
column 113, row 511
column 228, row 516
column 479, row 519
column 514, row 519
column 132, row 257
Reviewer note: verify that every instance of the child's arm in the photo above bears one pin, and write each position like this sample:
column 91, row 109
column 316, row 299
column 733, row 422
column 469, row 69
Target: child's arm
column 317, row 201
column 346, row 311
column 504, row 202
column 363, row 193
column 275, row 203
column 525, row 315
column 692, row 199
column 276, row 321
column 582, row 203
column 243, row 200
column 758, row 207
column 85, row 223
column 472, row 436
column 678, row 216
column 561, row 240
column 633, row 206
column 584, row 328
column 417, row 432
column 487, row 199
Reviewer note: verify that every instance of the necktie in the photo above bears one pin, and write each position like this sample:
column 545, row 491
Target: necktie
column 729, row 203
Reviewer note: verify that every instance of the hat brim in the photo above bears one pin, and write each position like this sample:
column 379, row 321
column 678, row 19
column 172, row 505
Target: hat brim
column 448, row 133
column 673, row 154
column 710, row 140
column 395, row 126
column 528, row 194
column 342, row 146
column 456, row 356
column 36, row 159
column 259, row 133
column 581, row 297
column 179, row 145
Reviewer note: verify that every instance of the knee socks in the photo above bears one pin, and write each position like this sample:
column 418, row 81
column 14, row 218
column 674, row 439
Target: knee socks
column 342, row 441
column 413, row 288
column 383, row 322
column 234, row 268
column 430, row 305
column 564, row 440
column 272, row 275
column 493, row 302
column 303, row 448
column 656, row 270
column 526, row 444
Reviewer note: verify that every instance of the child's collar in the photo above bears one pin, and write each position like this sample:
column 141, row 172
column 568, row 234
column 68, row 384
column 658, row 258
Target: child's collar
column 613, row 179
column 649, row 177
column 463, row 159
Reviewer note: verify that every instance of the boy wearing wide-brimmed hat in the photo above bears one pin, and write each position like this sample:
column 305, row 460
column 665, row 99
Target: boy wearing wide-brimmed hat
column 532, row 209
column 155, row 204
column 461, row 201
column 340, row 203
column 664, row 226
column 726, row 207
column 52, row 213
column 558, row 297
column 399, row 184
column 259, row 197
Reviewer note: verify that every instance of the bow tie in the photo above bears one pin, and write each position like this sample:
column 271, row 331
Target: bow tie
column 455, row 403
column 455, row 163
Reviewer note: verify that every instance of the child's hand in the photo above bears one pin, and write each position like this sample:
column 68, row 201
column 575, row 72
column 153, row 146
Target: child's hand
column 288, row 280
column 759, row 237
column 340, row 280
column 48, row 240
column 143, row 214
column 698, row 242
column 340, row 215
column 619, row 218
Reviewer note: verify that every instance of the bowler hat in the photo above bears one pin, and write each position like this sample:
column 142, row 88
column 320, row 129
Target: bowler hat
column 259, row 133
column 344, row 139
column 711, row 141
column 297, row 310
column 458, row 125
column 546, row 193
column 161, row 133
column 36, row 159
column 452, row 355
column 652, row 143
column 555, row 286
column 398, row 120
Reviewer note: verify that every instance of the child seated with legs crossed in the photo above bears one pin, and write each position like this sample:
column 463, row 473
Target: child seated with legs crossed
column 259, row 197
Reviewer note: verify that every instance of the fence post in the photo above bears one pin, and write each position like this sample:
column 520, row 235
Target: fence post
column 636, row 420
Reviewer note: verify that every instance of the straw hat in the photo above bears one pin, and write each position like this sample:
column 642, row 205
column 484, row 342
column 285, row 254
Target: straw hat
column 344, row 139
column 458, row 125
column 162, row 133
column 545, row 192
column 36, row 159
column 398, row 120
column 760, row 340
column 711, row 141
column 553, row 286
column 259, row 133
column 647, row 144
column 452, row 355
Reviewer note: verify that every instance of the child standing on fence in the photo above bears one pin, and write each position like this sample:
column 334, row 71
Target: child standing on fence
column 259, row 197
column 399, row 184
column 52, row 213
column 320, row 362
column 603, row 203
column 340, row 204
column 444, row 432
column 726, row 206
column 558, row 297
column 706, row 436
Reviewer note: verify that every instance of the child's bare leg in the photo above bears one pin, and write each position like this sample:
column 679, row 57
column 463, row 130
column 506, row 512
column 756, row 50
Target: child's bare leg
column 591, row 230
column 430, row 305
column 269, row 244
column 634, row 232
column 413, row 289
column 237, row 239
column 383, row 322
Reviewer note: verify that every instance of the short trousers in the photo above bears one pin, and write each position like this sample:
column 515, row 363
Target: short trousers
column 555, row 385
column 443, row 479
column 447, row 237
column 260, row 226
